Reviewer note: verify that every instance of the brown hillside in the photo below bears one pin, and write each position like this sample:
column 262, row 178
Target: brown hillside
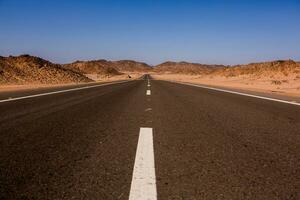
column 280, row 67
column 185, row 68
column 29, row 69
column 104, row 67
column 280, row 77
column 100, row 67
column 131, row 66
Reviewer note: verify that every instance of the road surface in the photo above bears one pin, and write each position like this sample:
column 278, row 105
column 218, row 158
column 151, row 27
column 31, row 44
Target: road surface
column 147, row 139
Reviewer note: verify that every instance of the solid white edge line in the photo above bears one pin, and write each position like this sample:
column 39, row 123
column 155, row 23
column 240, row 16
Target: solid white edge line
column 148, row 92
column 143, row 184
column 239, row 93
column 60, row 91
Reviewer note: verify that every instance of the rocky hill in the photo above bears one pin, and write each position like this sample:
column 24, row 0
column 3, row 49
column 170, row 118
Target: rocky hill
column 99, row 67
column 26, row 69
column 185, row 68
column 104, row 67
column 131, row 66
column 263, row 69
column 279, row 67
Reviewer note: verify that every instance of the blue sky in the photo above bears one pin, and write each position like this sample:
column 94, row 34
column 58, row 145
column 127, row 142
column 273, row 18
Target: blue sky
column 215, row 31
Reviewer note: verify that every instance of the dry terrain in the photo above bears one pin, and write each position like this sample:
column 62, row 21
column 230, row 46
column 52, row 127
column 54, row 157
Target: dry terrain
column 131, row 66
column 99, row 67
column 185, row 68
column 281, row 77
column 103, row 70
column 108, row 68
column 27, row 69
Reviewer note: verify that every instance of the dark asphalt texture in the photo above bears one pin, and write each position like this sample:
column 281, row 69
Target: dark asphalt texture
column 207, row 144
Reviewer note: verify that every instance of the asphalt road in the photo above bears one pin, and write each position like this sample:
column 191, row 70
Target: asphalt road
column 207, row 144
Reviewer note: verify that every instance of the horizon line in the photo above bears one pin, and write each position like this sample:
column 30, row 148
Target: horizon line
column 176, row 61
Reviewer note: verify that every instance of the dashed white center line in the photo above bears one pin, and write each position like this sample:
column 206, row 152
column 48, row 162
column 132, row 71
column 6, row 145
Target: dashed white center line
column 143, row 184
column 148, row 92
column 148, row 109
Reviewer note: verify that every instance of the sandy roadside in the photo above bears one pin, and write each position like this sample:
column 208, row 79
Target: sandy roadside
column 285, row 85
column 11, row 87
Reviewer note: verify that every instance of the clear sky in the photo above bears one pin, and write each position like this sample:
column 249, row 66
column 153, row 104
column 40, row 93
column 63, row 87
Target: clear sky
column 212, row 31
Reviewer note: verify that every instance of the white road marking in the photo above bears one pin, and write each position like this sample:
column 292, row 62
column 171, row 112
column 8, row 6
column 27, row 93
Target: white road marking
column 57, row 92
column 148, row 92
column 148, row 109
column 148, row 85
column 143, row 184
column 239, row 93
